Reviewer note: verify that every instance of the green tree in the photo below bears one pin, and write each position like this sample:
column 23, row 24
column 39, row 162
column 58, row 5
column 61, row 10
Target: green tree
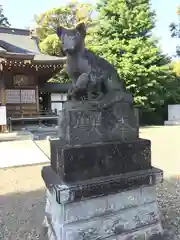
column 68, row 16
column 176, row 68
column 3, row 20
column 124, row 37
column 46, row 24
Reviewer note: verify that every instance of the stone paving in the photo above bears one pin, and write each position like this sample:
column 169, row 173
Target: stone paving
column 24, row 152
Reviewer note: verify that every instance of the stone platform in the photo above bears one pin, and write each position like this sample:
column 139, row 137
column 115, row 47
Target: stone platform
column 76, row 191
column 119, row 213
column 172, row 122
column 173, row 115
column 75, row 163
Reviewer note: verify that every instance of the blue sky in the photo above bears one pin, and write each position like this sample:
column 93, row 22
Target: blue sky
column 20, row 14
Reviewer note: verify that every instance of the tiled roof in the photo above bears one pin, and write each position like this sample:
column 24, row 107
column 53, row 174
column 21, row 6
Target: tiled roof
column 20, row 41
column 2, row 49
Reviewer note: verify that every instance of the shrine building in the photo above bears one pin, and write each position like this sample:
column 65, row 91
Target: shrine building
column 23, row 72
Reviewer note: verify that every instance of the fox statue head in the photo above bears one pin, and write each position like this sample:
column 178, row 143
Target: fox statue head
column 72, row 39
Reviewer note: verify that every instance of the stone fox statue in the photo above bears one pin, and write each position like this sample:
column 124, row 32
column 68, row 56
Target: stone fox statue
column 87, row 70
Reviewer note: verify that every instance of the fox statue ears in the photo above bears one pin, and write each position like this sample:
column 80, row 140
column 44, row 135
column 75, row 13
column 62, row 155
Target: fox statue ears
column 80, row 27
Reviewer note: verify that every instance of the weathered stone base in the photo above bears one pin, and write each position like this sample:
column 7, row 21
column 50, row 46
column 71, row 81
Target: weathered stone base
column 126, row 215
column 172, row 122
column 98, row 187
column 89, row 161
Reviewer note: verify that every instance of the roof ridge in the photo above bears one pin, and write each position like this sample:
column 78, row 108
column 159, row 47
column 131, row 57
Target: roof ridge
column 17, row 31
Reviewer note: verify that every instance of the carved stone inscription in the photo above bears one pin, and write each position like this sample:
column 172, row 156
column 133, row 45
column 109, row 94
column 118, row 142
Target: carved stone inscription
column 117, row 123
column 84, row 119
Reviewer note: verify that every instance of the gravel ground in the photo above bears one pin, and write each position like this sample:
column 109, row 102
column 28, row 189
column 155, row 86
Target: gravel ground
column 169, row 205
column 21, row 203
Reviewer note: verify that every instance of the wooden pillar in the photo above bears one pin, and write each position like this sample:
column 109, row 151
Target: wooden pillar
column 2, row 93
column 37, row 98
column 36, row 82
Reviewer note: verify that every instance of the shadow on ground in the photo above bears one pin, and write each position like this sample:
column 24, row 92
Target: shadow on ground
column 21, row 215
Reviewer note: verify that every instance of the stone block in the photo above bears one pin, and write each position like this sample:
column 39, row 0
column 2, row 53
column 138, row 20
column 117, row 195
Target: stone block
column 109, row 225
column 74, row 192
column 87, row 124
column 98, row 207
column 153, row 232
column 93, row 219
column 103, row 159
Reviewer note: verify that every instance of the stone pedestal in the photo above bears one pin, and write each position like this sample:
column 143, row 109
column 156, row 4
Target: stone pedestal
column 120, row 207
column 173, row 115
column 102, row 159
column 101, row 184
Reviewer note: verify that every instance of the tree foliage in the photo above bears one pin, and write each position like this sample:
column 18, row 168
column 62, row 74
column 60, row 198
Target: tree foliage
column 176, row 67
column 122, row 33
column 3, row 20
column 68, row 15
column 124, row 37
